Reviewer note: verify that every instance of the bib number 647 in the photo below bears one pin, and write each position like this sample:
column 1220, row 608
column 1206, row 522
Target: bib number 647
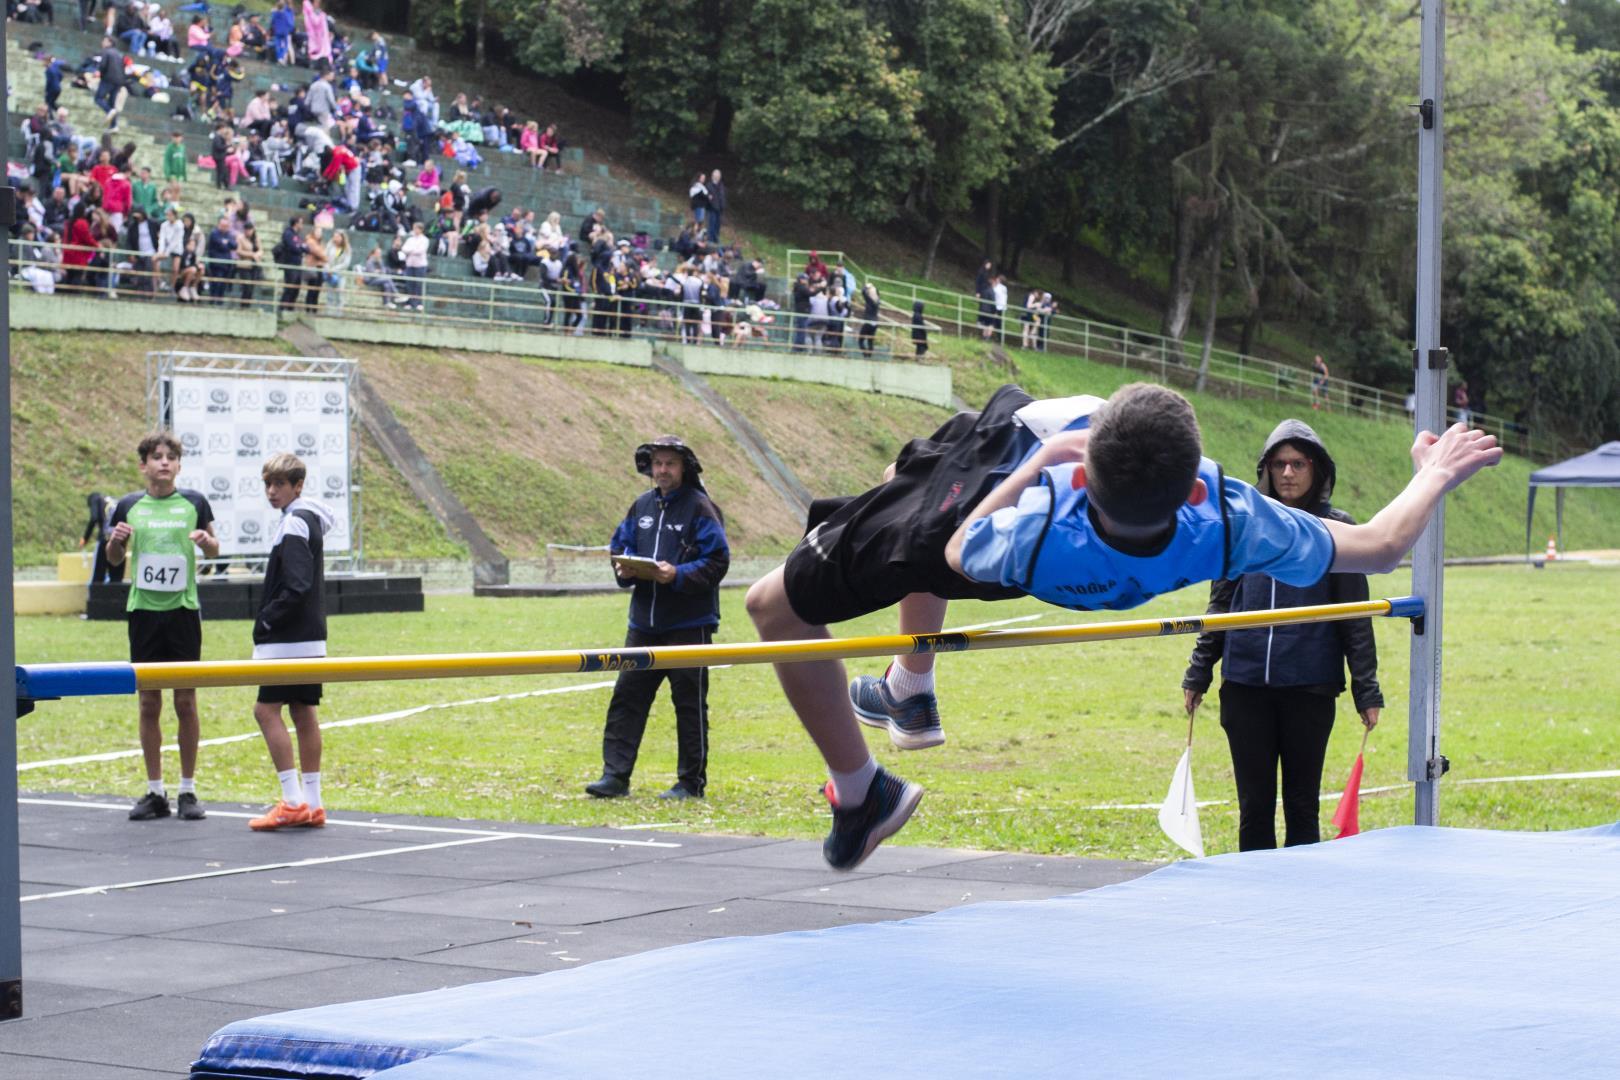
column 161, row 573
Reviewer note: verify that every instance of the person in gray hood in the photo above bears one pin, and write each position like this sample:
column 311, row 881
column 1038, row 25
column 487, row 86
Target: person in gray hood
column 1279, row 684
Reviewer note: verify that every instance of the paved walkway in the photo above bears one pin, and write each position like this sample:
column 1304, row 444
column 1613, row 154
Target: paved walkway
column 140, row 939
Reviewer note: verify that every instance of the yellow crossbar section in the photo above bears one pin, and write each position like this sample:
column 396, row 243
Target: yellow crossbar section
column 209, row 673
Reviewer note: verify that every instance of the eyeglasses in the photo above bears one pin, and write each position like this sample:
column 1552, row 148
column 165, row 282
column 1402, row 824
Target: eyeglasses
column 1298, row 466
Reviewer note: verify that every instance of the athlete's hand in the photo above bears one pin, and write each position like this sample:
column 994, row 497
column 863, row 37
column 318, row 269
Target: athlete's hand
column 121, row 533
column 1457, row 454
column 1064, row 447
column 200, row 537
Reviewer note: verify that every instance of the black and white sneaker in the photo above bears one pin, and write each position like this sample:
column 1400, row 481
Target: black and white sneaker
column 189, row 808
column 913, row 724
column 152, row 805
column 857, row 832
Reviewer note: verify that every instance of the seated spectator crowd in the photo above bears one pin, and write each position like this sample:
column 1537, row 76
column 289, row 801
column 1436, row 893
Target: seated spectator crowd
column 93, row 219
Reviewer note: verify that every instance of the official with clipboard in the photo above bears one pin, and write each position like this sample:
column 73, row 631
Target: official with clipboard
column 671, row 552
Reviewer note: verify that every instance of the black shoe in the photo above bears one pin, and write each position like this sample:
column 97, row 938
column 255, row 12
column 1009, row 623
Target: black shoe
column 856, row 833
column 189, row 808
column 679, row 792
column 152, row 805
column 609, row 787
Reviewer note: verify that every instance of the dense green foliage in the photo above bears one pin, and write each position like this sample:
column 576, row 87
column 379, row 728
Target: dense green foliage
column 1263, row 147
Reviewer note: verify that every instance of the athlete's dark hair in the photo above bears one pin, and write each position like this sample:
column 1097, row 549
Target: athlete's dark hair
column 157, row 439
column 1143, row 453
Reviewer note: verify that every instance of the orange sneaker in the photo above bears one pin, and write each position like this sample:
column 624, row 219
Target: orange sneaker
column 282, row 816
column 317, row 817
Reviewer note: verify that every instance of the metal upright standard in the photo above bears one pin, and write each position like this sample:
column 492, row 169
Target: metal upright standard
column 10, row 867
column 1425, row 765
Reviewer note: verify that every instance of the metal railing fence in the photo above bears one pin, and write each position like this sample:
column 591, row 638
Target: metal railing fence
column 1169, row 360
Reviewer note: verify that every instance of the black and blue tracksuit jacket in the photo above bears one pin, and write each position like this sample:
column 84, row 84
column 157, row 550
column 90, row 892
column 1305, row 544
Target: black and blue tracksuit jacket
column 684, row 528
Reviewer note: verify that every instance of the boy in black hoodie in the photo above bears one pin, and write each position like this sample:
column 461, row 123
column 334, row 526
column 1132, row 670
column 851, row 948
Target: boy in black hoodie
column 292, row 624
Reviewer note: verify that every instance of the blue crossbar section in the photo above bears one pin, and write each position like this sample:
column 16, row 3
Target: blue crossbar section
column 1397, row 952
column 40, row 682
column 1406, row 607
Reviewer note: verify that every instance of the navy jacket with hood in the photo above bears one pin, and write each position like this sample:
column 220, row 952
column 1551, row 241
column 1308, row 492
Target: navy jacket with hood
column 684, row 528
column 1311, row 656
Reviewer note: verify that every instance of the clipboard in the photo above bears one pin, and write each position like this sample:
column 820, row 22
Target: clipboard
column 636, row 566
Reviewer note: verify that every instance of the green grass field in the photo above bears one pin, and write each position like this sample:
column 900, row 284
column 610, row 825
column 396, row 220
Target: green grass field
column 1038, row 738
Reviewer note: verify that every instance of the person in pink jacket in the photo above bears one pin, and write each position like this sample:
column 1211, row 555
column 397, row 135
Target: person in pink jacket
column 317, row 32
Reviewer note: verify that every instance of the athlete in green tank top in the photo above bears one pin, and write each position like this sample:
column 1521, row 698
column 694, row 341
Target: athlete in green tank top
column 159, row 531
column 162, row 547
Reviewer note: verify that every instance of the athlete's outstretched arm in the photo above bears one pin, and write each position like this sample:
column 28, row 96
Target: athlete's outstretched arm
column 1443, row 462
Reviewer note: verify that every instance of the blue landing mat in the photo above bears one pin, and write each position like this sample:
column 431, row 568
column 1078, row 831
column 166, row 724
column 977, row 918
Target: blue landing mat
column 1439, row 952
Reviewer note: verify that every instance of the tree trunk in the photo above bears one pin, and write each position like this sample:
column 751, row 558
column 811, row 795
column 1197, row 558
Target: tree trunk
column 719, row 141
column 1209, row 316
column 1183, row 278
column 478, row 37
column 992, row 220
column 1016, row 258
column 933, row 247
column 1251, row 330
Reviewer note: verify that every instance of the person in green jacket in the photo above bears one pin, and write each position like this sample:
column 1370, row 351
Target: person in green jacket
column 144, row 192
column 174, row 158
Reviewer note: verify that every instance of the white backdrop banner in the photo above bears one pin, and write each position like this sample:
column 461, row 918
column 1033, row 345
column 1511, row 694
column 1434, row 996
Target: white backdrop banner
column 229, row 425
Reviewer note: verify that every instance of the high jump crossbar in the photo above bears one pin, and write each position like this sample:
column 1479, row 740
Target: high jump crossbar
column 39, row 682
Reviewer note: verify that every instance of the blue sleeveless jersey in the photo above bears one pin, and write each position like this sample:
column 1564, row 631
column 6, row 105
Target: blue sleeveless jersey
column 1047, row 546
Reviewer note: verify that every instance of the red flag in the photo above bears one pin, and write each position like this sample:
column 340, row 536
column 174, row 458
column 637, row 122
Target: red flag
column 1347, row 818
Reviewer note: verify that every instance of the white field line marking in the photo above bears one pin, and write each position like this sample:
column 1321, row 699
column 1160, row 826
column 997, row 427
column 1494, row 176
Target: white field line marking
column 990, row 625
column 92, row 890
column 400, row 714
column 1330, row 796
column 385, row 826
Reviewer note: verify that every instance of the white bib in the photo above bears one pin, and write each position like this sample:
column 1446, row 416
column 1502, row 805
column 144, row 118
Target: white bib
column 160, row 573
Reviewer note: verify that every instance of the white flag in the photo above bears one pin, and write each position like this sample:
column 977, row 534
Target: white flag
column 1178, row 817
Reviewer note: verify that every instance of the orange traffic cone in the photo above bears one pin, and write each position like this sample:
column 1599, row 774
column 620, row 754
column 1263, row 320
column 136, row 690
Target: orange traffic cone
column 1552, row 549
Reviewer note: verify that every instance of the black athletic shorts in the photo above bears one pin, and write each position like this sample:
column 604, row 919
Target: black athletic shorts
column 867, row 552
column 302, row 694
column 159, row 637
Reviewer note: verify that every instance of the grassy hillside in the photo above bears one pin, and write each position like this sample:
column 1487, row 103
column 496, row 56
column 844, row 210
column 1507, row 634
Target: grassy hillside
column 836, row 441
column 541, row 451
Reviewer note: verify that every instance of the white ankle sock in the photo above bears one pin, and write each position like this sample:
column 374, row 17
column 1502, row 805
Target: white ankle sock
column 188, row 785
column 312, row 789
column 846, row 785
column 904, row 683
column 289, row 787
column 155, row 787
